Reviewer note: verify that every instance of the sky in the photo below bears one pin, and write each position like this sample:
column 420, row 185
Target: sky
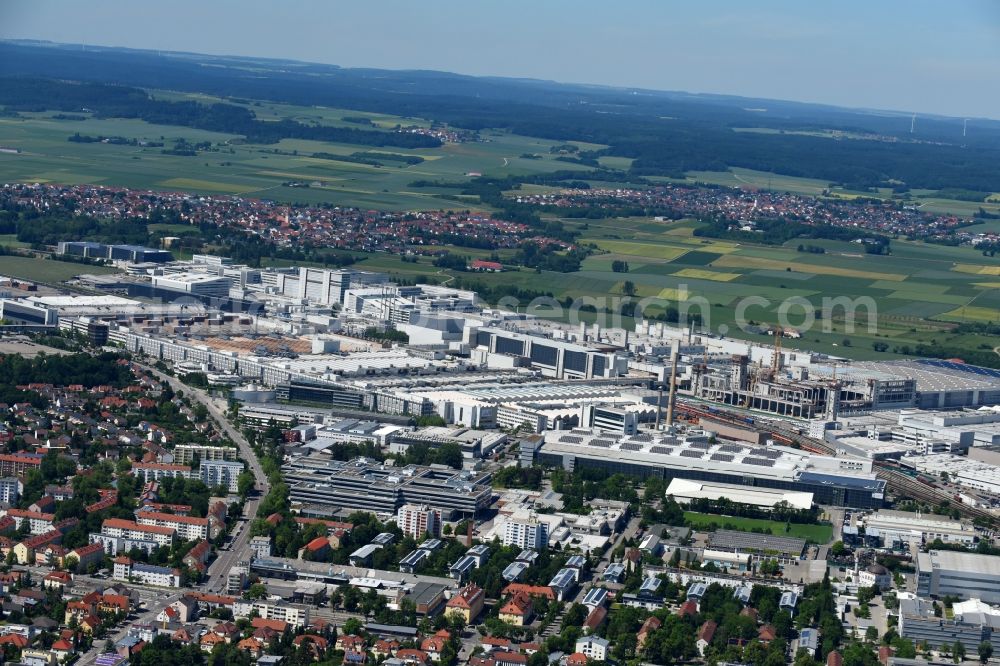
column 923, row 56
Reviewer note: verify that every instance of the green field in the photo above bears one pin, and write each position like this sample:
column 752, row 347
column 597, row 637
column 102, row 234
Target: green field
column 820, row 534
column 260, row 171
column 47, row 270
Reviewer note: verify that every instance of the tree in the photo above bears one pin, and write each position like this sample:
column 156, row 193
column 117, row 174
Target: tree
column 352, row 626
column 245, row 483
column 958, row 652
column 985, row 651
column 628, row 288
column 871, row 634
column 838, row 548
column 257, row 591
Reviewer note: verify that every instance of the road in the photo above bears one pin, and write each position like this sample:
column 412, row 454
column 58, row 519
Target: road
column 157, row 602
column 239, row 547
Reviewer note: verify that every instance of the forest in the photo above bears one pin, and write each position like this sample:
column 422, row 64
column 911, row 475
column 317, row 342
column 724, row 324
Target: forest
column 110, row 101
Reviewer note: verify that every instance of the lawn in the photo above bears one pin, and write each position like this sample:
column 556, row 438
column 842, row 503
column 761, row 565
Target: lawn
column 820, row 534
column 47, row 270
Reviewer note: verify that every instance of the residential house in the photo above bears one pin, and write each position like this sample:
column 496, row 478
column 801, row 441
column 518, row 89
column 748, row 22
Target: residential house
column 518, row 610
column 467, row 603
column 705, row 634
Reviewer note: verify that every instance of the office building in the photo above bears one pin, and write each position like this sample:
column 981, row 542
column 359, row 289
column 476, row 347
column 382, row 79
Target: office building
column 618, row 420
column 365, row 485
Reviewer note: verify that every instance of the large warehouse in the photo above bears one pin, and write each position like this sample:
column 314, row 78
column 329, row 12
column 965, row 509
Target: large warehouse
column 832, row 481
column 939, row 384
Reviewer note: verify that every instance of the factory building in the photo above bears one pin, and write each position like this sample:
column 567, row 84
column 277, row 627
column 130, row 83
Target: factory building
column 21, row 312
column 196, row 284
column 557, row 359
column 135, row 254
column 318, row 285
column 972, row 623
column 906, row 528
column 965, row 575
column 833, row 481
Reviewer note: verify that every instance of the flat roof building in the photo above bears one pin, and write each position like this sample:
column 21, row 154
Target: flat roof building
column 832, row 481
column 199, row 284
column 905, row 527
column 366, row 485
column 965, row 575
column 685, row 490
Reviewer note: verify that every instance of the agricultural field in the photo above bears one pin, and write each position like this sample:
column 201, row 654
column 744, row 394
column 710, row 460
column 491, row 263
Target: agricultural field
column 820, row 534
column 232, row 166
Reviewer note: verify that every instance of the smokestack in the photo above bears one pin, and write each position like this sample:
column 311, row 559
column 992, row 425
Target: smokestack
column 468, row 534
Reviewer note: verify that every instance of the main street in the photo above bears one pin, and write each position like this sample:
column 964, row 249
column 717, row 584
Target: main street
column 238, row 549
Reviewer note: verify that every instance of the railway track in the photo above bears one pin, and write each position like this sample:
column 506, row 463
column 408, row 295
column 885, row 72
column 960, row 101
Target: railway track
column 898, row 482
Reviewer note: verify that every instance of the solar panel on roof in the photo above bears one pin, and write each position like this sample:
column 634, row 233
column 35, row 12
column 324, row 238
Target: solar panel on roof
column 602, row 442
column 642, row 437
column 631, row 446
column 665, row 450
column 960, row 367
column 731, row 448
column 758, row 451
column 691, row 454
column 571, row 439
column 722, row 457
column 699, row 445
column 760, row 462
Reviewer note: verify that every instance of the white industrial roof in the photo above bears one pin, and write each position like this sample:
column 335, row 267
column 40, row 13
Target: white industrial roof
column 689, row 489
